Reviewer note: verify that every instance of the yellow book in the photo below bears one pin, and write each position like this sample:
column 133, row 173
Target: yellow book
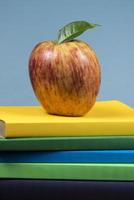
column 105, row 118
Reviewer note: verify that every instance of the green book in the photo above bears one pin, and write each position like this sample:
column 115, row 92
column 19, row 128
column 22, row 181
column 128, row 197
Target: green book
column 68, row 171
column 66, row 143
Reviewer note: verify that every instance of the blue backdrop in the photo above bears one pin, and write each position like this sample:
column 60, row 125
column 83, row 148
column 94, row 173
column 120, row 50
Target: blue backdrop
column 24, row 23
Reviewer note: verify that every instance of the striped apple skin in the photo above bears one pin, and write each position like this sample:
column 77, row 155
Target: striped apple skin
column 65, row 77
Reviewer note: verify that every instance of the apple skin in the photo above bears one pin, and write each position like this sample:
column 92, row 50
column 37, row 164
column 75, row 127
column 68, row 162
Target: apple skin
column 65, row 77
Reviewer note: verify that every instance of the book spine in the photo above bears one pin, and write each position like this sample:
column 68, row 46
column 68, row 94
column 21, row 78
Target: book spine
column 67, row 143
column 59, row 190
column 69, row 129
column 107, row 156
column 110, row 172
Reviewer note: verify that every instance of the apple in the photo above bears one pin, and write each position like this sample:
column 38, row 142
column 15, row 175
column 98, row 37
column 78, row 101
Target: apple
column 65, row 76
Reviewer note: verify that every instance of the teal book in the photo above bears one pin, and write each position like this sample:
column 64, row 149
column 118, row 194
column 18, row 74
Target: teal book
column 67, row 143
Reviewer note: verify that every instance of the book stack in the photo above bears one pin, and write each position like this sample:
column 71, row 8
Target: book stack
column 55, row 157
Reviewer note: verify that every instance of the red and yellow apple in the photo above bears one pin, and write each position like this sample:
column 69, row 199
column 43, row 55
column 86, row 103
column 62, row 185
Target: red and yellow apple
column 65, row 76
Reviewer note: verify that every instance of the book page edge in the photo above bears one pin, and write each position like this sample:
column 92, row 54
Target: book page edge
column 2, row 128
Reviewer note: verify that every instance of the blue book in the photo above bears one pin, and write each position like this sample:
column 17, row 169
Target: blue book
column 91, row 156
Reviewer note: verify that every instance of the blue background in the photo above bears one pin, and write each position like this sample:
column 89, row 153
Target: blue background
column 24, row 23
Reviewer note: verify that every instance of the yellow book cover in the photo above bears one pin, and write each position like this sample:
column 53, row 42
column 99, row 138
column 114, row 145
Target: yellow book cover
column 105, row 118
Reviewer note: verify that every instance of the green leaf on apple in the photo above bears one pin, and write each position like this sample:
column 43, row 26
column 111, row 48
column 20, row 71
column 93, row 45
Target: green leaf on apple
column 74, row 29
